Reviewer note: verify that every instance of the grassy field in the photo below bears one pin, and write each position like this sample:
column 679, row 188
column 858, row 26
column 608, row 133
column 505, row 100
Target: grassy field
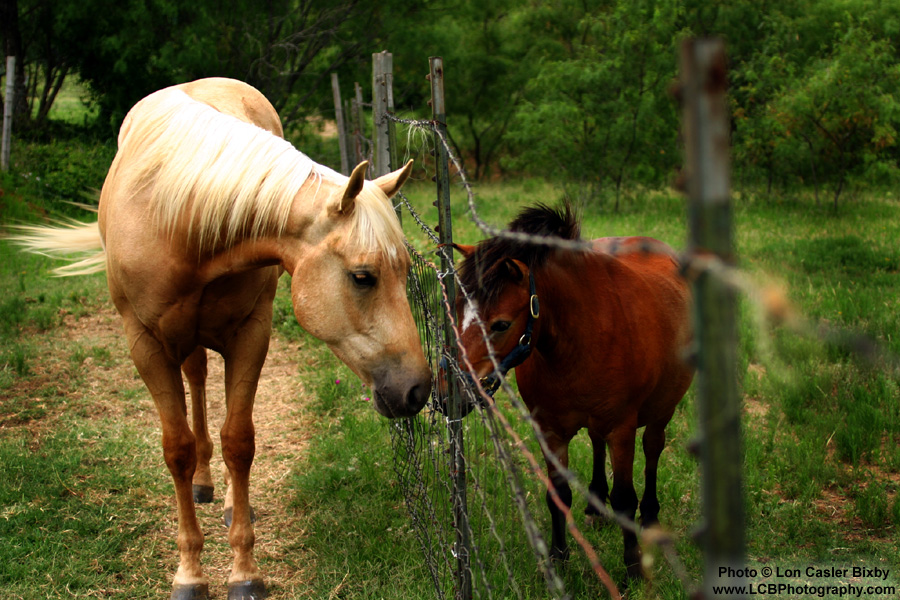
column 85, row 502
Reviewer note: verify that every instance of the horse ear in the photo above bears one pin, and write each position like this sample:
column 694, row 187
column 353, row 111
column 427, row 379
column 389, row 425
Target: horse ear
column 354, row 187
column 390, row 183
column 515, row 269
column 463, row 249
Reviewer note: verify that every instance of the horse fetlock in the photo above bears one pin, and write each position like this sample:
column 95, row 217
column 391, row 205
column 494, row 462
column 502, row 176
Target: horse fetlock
column 597, row 521
column 649, row 509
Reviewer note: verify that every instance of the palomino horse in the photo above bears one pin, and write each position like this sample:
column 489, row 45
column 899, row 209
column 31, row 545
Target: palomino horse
column 203, row 208
column 596, row 337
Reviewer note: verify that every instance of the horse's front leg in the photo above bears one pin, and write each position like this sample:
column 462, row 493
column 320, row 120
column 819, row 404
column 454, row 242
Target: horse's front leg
column 599, row 487
column 559, row 549
column 244, row 358
column 163, row 378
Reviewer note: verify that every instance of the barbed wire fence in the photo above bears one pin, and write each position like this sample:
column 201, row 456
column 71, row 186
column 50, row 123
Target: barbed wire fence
column 471, row 468
column 469, row 465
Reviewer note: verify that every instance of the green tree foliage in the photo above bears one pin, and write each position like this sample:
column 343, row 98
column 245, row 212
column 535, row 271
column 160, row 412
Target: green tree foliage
column 485, row 51
column 574, row 90
column 127, row 49
column 818, row 100
column 597, row 110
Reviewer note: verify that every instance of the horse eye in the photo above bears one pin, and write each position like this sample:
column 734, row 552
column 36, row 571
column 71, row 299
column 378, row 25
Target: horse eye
column 500, row 326
column 364, row 279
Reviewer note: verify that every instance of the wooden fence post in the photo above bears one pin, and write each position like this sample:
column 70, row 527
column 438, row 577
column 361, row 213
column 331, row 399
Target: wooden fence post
column 455, row 402
column 356, row 109
column 382, row 105
column 341, row 124
column 382, row 71
column 706, row 134
column 9, row 103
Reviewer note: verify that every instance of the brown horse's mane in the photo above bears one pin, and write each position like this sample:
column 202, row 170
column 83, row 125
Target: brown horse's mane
column 484, row 273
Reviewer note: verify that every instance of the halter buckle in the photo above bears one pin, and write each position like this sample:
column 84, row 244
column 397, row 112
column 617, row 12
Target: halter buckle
column 535, row 306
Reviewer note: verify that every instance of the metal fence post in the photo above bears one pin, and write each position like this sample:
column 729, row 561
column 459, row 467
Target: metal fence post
column 455, row 407
column 8, row 107
column 706, row 134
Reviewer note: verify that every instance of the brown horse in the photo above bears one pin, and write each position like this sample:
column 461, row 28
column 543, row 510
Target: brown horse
column 596, row 337
column 204, row 206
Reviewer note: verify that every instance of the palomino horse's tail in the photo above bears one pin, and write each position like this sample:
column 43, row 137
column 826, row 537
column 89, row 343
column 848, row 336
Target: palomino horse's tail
column 65, row 241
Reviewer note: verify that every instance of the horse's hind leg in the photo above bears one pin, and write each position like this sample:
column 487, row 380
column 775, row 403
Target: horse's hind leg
column 654, row 441
column 623, row 498
column 163, row 378
column 195, row 371
column 599, row 486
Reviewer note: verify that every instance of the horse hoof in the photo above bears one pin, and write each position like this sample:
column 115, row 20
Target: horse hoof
column 596, row 520
column 203, row 494
column 247, row 590
column 559, row 554
column 634, row 571
column 197, row 591
column 229, row 512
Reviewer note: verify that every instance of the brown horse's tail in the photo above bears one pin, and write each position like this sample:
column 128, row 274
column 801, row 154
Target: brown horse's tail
column 66, row 240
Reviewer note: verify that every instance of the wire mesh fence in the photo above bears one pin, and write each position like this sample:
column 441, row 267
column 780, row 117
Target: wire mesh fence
column 474, row 535
column 472, row 469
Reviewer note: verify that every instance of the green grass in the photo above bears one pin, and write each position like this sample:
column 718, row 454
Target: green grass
column 79, row 506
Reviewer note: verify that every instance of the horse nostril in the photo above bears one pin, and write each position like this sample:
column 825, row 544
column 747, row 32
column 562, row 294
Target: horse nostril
column 417, row 396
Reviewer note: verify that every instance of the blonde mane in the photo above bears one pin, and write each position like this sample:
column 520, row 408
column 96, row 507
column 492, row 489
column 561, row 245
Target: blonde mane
column 223, row 178
column 228, row 180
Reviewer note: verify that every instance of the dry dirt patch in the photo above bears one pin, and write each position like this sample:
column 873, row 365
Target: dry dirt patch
column 115, row 391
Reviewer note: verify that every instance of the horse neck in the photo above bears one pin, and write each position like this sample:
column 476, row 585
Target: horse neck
column 285, row 247
column 570, row 291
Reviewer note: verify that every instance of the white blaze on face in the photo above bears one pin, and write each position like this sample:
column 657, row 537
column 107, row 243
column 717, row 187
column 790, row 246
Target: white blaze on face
column 469, row 315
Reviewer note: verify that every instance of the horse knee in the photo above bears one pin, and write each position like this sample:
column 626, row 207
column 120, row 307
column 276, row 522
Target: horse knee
column 564, row 492
column 238, row 448
column 180, row 454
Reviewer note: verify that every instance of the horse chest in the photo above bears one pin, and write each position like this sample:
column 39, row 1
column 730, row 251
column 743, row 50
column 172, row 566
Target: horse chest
column 208, row 315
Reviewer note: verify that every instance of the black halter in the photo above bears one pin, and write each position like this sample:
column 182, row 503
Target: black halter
column 517, row 355
column 491, row 383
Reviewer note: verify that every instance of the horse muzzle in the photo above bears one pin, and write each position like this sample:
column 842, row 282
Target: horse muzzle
column 397, row 396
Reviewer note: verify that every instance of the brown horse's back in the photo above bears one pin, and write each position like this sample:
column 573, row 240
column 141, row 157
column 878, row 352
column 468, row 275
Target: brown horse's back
column 662, row 314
